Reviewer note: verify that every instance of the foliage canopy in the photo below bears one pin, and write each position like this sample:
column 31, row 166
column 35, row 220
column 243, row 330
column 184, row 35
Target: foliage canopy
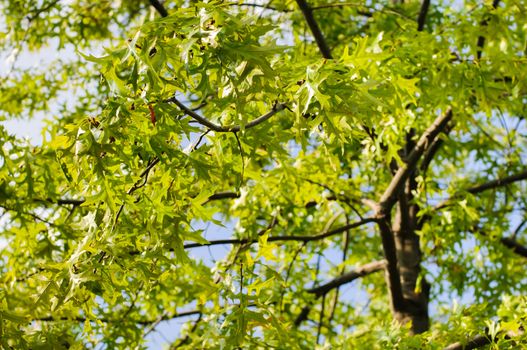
column 362, row 163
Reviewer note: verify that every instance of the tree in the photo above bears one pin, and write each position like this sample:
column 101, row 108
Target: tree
column 367, row 160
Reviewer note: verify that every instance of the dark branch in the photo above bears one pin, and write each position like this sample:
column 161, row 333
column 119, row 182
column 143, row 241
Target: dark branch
column 361, row 271
column 66, row 201
column 498, row 182
column 186, row 338
column 262, row 6
column 159, row 7
column 230, row 128
column 433, row 149
column 421, row 19
column 389, row 197
column 477, row 342
column 514, row 246
column 390, row 253
column 315, row 29
column 509, row 242
column 362, row 10
column 284, row 238
column 481, row 188
column 120, row 320
column 481, row 340
column 348, row 277
column 42, row 10
column 77, row 202
column 484, row 23
column 223, row 195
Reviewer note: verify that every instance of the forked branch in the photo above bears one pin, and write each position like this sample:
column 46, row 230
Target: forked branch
column 389, row 197
column 229, row 128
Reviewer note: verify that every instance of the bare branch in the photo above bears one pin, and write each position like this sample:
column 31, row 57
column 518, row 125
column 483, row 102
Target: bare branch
column 348, row 277
column 514, row 246
column 390, row 253
column 66, row 201
column 38, row 12
column 499, row 182
column 388, row 199
column 433, row 149
column 77, row 202
column 390, row 195
column 223, row 195
column 509, row 242
column 421, row 19
column 476, row 342
column 159, row 7
column 481, row 340
column 230, row 128
column 120, row 320
column 262, row 6
column 361, row 9
column 361, row 271
column 284, row 238
column 307, row 11
column 185, row 339
column 484, row 187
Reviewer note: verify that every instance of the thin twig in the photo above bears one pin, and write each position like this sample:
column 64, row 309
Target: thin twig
column 230, row 128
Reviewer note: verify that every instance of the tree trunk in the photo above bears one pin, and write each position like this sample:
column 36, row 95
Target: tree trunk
column 415, row 308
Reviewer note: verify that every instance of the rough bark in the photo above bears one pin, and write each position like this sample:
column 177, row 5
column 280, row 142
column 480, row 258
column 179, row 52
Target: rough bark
column 409, row 256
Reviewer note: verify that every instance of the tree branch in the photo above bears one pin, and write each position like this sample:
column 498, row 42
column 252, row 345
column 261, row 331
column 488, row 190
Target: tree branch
column 223, row 195
column 476, row 342
column 66, row 201
column 120, row 320
column 348, row 277
column 38, row 12
column 481, row 340
column 361, row 271
column 484, row 187
column 484, row 23
column 421, row 19
column 77, row 202
column 389, row 197
column 307, row 11
column 514, row 246
column 361, row 10
column 498, row 182
column 509, row 242
column 433, row 149
column 262, row 6
column 390, row 253
column 159, row 7
column 230, row 128
column 284, row 238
